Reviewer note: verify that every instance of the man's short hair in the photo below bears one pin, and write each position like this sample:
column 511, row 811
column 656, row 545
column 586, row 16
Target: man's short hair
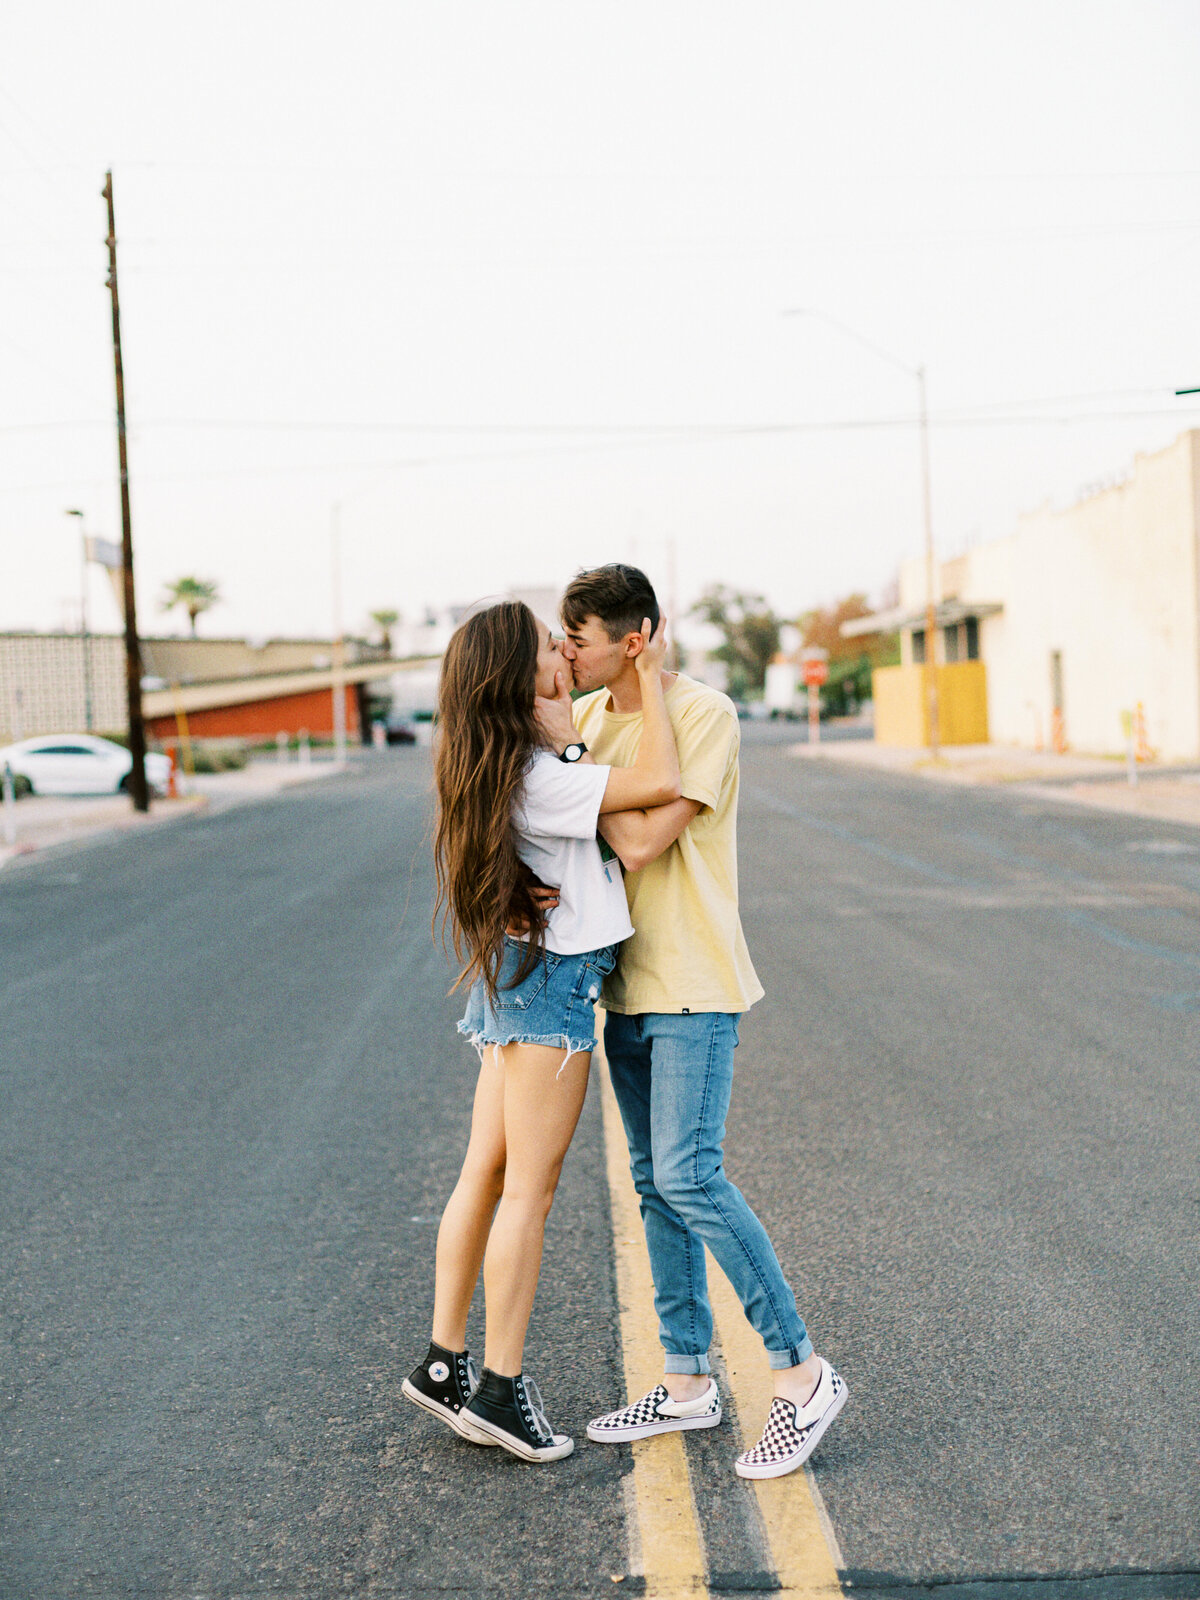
column 620, row 597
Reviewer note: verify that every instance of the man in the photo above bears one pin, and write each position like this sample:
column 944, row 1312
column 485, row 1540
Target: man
column 673, row 1003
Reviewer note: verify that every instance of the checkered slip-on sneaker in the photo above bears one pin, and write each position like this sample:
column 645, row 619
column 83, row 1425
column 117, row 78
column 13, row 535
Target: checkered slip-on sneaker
column 656, row 1412
column 443, row 1384
column 508, row 1412
column 792, row 1434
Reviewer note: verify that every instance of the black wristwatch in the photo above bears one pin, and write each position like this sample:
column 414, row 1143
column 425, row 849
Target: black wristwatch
column 574, row 752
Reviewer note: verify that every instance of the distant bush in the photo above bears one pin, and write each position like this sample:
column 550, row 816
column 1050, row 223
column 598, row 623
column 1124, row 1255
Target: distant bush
column 295, row 743
column 212, row 756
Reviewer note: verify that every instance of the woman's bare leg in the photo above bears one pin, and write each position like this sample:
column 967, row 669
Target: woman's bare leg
column 463, row 1232
column 541, row 1110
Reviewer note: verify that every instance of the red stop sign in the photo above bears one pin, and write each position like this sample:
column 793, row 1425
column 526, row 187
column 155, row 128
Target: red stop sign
column 815, row 671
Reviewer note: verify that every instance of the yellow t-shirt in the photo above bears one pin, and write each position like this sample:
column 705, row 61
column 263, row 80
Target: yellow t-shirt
column 688, row 952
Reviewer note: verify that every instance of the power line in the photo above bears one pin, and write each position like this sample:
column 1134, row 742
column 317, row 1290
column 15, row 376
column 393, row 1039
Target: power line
column 28, row 120
column 279, row 244
column 39, row 168
column 600, row 445
column 975, row 410
column 52, row 239
column 583, row 174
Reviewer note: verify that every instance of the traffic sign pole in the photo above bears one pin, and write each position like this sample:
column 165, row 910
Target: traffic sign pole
column 814, row 664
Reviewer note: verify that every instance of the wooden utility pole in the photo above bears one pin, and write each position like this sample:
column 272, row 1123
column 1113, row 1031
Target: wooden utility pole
column 133, row 655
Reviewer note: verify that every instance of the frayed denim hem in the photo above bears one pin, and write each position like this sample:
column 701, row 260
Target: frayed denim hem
column 781, row 1360
column 555, row 1041
column 698, row 1365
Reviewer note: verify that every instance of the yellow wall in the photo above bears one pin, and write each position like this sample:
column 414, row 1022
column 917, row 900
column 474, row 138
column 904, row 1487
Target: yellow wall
column 897, row 693
column 902, row 715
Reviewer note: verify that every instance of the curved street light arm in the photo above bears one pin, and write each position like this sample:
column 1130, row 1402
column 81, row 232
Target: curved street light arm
column 852, row 333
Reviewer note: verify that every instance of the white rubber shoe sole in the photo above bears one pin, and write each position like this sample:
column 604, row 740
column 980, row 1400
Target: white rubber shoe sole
column 807, row 1438
column 451, row 1418
column 646, row 1417
column 480, row 1431
column 647, row 1430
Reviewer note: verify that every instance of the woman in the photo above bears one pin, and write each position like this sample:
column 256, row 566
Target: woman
column 509, row 811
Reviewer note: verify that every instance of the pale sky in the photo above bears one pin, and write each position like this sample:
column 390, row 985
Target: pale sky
column 507, row 282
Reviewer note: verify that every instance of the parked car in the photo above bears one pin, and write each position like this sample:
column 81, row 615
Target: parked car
column 400, row 729
column 80, row 763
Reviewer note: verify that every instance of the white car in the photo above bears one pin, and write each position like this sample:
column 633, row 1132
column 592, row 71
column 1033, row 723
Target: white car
column 80, row 763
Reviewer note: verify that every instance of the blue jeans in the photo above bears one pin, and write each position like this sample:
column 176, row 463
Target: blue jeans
column 672, row 1077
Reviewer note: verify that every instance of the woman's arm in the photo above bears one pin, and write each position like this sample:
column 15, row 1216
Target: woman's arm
column 653, row 780
column 640, row 837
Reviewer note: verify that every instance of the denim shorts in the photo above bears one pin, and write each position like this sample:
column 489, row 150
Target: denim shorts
column 555, row 1005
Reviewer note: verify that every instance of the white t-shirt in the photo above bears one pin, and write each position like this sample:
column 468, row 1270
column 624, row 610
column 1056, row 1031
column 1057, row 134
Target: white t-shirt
column 555, row 821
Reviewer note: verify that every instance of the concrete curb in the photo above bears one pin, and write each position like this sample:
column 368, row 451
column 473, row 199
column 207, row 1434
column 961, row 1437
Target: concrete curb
column 111, row 815
column 1168, row 795
column 52, row 838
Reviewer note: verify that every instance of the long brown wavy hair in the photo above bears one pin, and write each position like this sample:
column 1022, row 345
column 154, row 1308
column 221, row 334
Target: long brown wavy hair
column 486, row 737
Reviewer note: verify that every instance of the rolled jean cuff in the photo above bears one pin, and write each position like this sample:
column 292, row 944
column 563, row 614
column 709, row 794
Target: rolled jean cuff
column 694, row 1364
column 782, row 1359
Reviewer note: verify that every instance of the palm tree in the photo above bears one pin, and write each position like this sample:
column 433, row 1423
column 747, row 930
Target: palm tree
column 194, row 595
column 385, row 621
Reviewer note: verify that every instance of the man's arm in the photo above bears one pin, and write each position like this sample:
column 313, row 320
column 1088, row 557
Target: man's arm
column 640, row 837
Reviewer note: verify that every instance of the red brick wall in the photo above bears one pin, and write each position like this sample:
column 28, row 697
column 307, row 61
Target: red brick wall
column 260, row 720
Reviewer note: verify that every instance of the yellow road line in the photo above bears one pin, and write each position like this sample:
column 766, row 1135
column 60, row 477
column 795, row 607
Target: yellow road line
column 672, row 1556
column 672, row 1553
column 801, row 1557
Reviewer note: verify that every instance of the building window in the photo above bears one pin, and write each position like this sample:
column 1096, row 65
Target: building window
column 950, row 637
column 918, row 641
column 972, row 631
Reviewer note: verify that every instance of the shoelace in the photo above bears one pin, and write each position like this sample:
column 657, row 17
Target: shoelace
column 533, row 1396
column 469, row 1368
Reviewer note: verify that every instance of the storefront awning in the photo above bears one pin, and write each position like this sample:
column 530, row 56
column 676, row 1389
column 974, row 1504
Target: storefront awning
column 901, row 619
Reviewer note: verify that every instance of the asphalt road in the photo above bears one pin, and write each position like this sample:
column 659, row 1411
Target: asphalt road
column 235, row 1103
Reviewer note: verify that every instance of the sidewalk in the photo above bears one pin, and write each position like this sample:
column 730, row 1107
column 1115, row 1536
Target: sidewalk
column 44, row 821
column 1167, row 794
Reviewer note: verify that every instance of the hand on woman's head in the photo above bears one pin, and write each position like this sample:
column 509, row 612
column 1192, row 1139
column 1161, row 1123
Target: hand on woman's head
column 551, row 664
column 654, row 646
column 554, row 716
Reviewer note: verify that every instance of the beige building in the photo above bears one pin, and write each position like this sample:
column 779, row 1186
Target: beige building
column 1075, row 618
column 47, row 679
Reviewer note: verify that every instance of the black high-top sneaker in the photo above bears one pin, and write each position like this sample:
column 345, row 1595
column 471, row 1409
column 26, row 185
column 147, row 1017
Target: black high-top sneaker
column 443, row 1384
column 508, row 1412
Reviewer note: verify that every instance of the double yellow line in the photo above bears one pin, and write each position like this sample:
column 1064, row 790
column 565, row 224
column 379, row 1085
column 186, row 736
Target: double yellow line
column 665, row 1521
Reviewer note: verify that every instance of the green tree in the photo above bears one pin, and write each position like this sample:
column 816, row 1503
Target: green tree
column 194, row 595
column 851, row 661
column 750, row 635
column 385, row 621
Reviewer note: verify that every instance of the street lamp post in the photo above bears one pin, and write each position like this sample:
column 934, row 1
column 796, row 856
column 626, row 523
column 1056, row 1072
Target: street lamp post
column 85, row 638
column 930, row 672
